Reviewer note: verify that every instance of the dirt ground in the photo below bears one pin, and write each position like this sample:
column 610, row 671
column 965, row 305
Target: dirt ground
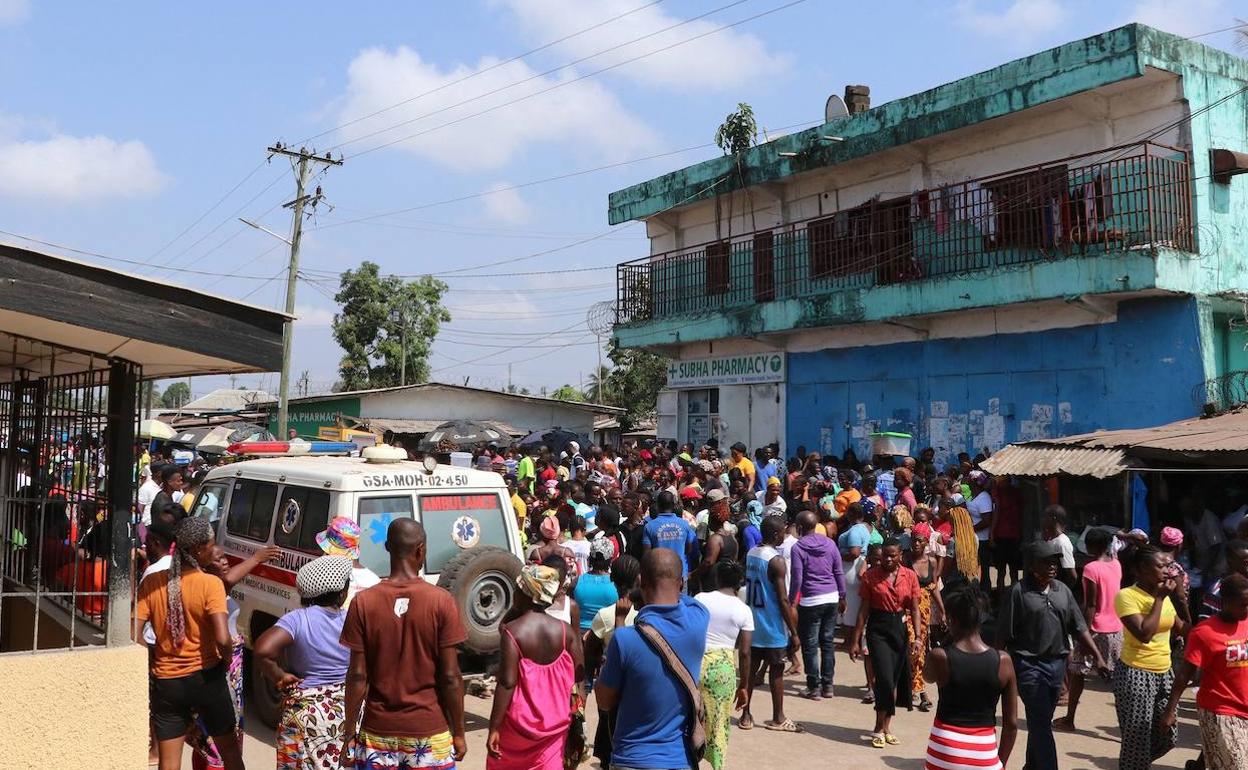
column 839, row 727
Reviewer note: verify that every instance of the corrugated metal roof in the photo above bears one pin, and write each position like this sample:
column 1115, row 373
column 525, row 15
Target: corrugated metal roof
column 1221, row 433
column 1039, row 460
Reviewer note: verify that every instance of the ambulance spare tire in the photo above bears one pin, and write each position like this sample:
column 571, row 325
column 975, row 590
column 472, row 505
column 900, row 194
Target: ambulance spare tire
column 483, row 582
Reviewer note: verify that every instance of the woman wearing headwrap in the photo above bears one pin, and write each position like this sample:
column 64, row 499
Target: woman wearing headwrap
column 903, row 480
column 315, row 672
column 189, row 617
column 541, row 662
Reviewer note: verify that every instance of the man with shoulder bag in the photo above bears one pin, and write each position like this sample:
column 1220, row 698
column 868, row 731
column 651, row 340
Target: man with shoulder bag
column 651, row 673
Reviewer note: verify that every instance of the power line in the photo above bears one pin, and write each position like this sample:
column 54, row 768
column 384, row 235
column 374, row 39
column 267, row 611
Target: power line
column 210, row 209
column 478, row 73
column 564, row 83
column 522, row 81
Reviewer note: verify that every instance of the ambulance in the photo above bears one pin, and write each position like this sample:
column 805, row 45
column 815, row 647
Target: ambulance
column 290, row 492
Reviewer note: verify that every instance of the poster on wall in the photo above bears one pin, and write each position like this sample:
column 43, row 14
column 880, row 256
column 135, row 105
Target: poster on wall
column 726, row 370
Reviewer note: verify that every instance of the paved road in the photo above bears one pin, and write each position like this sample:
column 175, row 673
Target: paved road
column 839, row 728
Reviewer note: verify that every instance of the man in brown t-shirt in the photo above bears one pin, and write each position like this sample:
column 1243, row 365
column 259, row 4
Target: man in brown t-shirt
column 403, row 634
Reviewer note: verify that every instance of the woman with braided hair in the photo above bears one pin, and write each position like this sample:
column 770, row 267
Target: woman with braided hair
column 188, row 614
column 964, row 566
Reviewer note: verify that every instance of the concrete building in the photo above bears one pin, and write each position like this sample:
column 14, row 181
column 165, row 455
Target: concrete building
column 414, row 410
column 1038, row 250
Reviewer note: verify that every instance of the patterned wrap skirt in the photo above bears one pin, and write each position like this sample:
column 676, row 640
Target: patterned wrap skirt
column 309, row 736
column 204, row 754
column 378, row 752
column 719, row 689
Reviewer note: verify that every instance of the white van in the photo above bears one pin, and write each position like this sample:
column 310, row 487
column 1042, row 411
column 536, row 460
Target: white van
column 473, row 551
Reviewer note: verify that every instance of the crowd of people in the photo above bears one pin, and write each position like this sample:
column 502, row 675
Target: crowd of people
column 666, row 584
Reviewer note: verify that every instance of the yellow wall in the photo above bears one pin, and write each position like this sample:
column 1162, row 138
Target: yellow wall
column 81, row 709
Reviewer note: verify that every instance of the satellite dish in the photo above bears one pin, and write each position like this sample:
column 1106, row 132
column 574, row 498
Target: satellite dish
column 834, row 108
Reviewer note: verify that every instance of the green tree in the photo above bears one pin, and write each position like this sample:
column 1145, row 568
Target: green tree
column 375, row 312
column 636, row 379
column 568, row 393
column 598, row 389
column 175, row 395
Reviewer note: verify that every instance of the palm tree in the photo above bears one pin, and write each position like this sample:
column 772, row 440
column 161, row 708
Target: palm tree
column 598, row 388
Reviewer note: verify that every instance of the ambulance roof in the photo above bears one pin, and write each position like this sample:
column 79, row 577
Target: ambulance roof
column 355, row 474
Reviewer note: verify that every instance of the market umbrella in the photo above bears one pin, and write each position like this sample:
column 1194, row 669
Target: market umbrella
column 218, row 440
column 463, row 434
column 555, row 438
column 156, row 429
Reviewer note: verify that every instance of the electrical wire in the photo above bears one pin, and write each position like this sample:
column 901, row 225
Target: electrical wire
column 480, row 72
column 535, row 76
column 210, row 209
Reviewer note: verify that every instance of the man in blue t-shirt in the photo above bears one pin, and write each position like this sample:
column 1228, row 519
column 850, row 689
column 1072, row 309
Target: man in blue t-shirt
column 653, row 708
column 670, row 531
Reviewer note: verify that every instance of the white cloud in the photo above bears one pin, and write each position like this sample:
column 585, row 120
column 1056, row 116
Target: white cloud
column 506, row 206
column 1189, row 17
column 13, row 11
column 72, row 168
column 1021, row 19
column 581, row 114
column 308, row 315
column 721, row 61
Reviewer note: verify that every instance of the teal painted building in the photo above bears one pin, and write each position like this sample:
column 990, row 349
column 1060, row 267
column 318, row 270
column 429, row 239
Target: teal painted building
column 1037, row 250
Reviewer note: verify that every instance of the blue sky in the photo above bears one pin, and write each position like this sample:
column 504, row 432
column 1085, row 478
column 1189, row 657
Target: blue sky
column 122, row 124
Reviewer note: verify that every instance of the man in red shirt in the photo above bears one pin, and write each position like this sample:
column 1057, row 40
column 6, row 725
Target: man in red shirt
column 1219, row 648
column 404, row 634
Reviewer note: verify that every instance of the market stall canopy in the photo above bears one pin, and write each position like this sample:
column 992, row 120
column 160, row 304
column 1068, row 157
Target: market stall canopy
column 1033, row 459
column 156, row 429
column 463, row 434
column 1217, row 441
column 216, row 439
column 61, row 316
column 556, row 439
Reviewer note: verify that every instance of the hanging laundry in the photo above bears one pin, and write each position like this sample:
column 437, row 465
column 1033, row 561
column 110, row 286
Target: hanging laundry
column 942, row 214
column 1089, row 209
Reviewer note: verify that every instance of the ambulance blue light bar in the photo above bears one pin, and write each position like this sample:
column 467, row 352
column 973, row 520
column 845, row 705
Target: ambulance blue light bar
column 295, row 448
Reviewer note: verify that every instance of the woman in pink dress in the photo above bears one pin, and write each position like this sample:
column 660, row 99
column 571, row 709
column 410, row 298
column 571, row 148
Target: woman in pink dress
column 541, row 663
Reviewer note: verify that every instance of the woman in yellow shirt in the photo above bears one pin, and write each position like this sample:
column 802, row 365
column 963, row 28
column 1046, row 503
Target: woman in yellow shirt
column 1151, row 610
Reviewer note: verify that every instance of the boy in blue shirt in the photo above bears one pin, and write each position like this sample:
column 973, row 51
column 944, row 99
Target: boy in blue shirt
column 669, row 530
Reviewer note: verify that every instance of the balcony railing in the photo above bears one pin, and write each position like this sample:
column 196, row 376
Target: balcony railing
column 1134, row 198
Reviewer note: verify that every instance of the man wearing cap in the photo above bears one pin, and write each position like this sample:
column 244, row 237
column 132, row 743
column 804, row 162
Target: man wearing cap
column 1038, row 618
column 342, row 538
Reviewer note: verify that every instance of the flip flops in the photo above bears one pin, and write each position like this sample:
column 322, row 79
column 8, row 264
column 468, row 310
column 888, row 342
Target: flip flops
column 787, row 726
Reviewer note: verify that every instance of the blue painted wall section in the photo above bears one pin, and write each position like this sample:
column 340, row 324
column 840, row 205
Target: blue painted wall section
column 964, row 394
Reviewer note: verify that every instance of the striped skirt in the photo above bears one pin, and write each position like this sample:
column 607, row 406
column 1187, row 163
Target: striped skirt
column 962, row 748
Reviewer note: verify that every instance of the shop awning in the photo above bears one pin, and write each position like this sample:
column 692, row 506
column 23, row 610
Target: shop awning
column 397, row 425
column 1047, row 460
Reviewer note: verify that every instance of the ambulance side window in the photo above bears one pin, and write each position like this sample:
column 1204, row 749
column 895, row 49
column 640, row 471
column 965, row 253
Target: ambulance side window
column 374, row 517
column 251, row 509
column 312, row 518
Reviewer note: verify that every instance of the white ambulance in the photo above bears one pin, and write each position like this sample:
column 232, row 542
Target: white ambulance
column 289, row 496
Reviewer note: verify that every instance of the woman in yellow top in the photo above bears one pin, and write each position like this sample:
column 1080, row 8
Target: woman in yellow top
column 1151, row 610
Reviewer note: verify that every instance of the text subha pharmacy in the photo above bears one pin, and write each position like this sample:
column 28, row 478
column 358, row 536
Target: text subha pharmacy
column 730, row 397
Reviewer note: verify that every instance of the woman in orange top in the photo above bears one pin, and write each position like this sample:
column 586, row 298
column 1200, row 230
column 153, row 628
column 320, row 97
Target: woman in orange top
column 188, row 612
column 888, row 592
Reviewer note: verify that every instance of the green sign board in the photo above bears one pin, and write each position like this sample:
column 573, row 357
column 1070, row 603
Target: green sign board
column 305, row 417
column 726, row 370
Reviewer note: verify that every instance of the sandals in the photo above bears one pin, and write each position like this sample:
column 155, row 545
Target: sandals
column 925, row 705
column 787, row 726
column 746, row 722
column 877, row 740
column 869, row 698
column 891, row 740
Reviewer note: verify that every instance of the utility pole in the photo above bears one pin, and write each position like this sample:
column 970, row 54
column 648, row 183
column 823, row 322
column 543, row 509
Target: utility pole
column 301, row 162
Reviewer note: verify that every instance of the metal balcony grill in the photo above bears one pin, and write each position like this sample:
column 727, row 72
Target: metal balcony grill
column 1133, row 198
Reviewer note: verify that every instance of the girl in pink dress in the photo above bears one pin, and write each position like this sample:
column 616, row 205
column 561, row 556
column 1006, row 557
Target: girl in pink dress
column 541, row 663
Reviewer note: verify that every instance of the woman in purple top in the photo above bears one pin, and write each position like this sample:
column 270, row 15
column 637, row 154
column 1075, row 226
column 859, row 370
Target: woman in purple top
column 316, row 667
